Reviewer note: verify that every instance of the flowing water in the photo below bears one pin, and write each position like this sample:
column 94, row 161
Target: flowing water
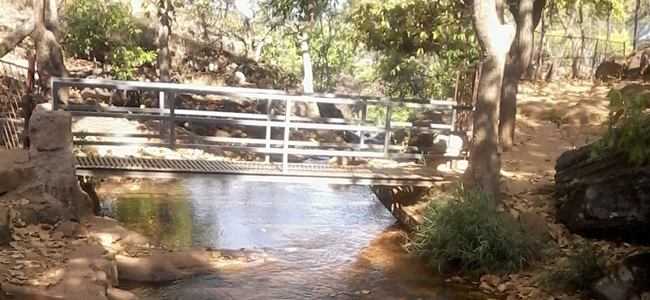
column 321, row 242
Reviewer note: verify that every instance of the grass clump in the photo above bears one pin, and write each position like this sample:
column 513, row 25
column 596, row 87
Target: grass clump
column 465, row 231
column 582, row 268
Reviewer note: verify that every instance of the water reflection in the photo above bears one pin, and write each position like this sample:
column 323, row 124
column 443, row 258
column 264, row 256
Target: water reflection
column 324, row 242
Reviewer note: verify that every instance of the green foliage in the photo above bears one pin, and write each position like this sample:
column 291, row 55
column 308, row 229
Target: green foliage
column 466, row 231
column 333, row 41
column 126, row 59
column 106, row 31
column 422, row 43
column 412, row 26
column 296, row 9
column 584, row 267
column 628, row 130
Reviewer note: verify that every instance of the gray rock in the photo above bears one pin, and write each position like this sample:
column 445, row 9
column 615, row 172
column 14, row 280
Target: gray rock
column 9, row 180
column 632, row 278
column 603, row 199
column 5, row 230
column 28, row 215
column 107, row 267
column 67, row 228
column 50, row 130
column 615, row 287
column 117, row 294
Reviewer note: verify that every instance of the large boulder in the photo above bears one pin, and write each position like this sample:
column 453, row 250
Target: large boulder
column 632, row 67
column 608, row 70
column 603, row 198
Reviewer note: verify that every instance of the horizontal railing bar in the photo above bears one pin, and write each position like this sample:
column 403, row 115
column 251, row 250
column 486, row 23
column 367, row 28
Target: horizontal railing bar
column 247, row 141
column 129, row 116
column 285, row 178
column 90, row 108
column 316, row 126
column 261, row 150
column 259, row 94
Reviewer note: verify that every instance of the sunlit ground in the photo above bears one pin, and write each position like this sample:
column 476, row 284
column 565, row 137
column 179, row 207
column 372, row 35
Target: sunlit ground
column 581, row 108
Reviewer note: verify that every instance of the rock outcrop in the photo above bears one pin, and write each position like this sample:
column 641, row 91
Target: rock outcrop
column 603, row 199
column 634, row 66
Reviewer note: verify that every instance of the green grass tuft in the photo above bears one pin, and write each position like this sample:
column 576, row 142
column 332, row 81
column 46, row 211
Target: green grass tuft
column 464, row 231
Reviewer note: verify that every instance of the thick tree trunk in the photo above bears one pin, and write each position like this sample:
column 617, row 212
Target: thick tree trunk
column 533, row 73
column 567, row 34
column 609, row 30
column 49, row 54
column 495, row 39
column 521, row 54
column 308, row 79
column 13, row 39
column 308, row 74
column 164, row 32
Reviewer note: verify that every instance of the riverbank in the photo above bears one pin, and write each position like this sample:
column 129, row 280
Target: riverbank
column 48, row 253
column 552, row 118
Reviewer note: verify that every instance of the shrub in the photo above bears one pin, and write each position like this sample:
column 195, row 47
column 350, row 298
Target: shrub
column 584, row 267
column 464, row 230
column 629, row 129
column 106, row 31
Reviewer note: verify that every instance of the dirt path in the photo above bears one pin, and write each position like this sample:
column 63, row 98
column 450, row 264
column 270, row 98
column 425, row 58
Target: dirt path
column 528, row 170
column 580, row 107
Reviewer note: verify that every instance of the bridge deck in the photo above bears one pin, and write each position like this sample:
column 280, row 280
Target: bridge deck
column 259, row 171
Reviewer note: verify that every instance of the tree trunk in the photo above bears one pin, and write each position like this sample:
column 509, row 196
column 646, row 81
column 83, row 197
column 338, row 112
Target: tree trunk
column 495, row 39
column 49, row 54
column 533, row 73
column 164, row 32
column 609, row 30
column 567, row 34
column 308, row 74
column 13, row 39
column 521, row 54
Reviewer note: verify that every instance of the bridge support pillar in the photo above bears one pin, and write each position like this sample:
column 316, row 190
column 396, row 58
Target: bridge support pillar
column 51, row 152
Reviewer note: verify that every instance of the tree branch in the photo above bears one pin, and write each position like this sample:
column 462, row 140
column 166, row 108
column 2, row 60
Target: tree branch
column 10, row 42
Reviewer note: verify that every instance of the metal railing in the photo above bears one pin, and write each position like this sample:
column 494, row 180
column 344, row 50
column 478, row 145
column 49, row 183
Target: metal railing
column 14, row 87
column 171, row 115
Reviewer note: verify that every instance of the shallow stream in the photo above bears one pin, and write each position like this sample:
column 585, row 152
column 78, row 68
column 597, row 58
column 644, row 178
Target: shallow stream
column 320, row 241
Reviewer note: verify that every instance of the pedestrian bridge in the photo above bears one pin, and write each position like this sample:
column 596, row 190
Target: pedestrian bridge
column 370, row 147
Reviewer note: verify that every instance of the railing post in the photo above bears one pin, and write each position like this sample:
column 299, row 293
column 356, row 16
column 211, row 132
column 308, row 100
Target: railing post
column 172, row 122
column 287, row 121
column 55, row 96
column 161, row 105
column 389, row 112
column 269, row 118
column 364, row 115
column 454, row 115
